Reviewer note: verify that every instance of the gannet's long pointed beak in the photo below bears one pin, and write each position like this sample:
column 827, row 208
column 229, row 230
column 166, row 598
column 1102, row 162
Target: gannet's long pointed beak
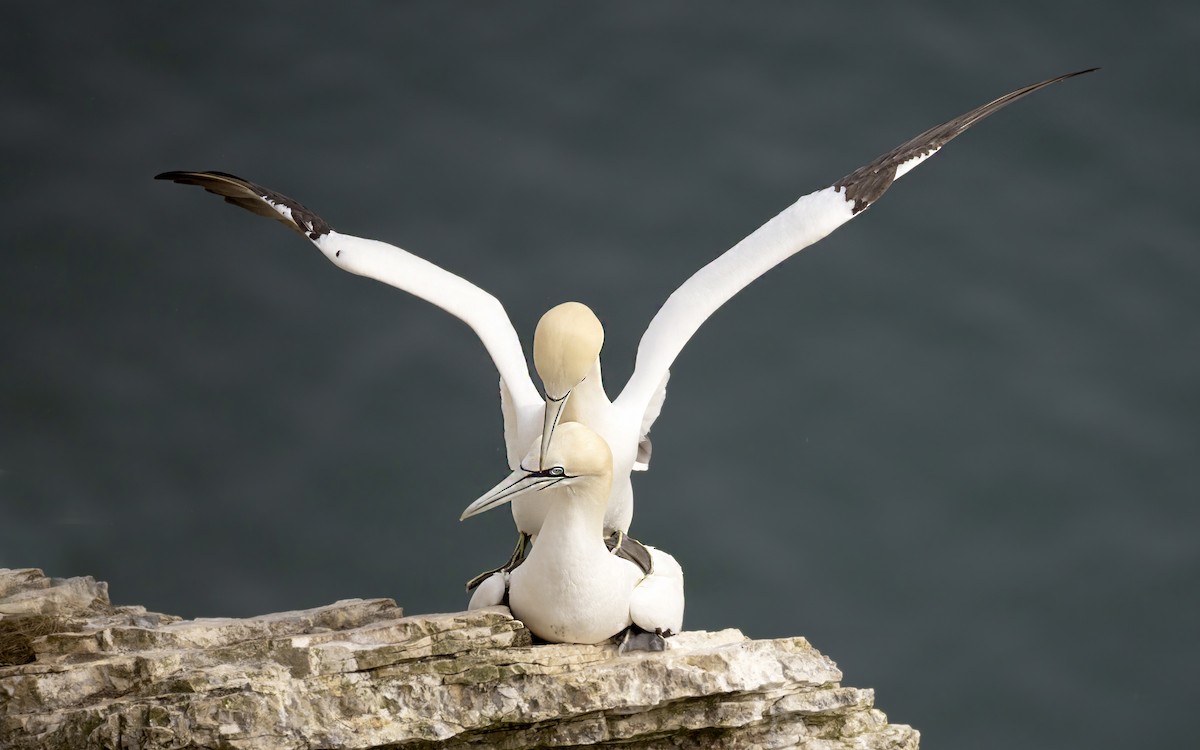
column 514, row 485
column 552, row 413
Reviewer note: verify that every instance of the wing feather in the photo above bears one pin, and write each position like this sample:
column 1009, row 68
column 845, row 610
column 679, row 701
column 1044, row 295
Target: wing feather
column 390, row 265
column 803, row 223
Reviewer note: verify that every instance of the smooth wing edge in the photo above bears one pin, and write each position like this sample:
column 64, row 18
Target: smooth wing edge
column 714, row 284
column 481, row 311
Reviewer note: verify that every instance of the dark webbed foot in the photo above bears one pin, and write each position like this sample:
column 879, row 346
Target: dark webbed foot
column 474, row 582
column 627, row 548
column 518, row 557
column 636, row 639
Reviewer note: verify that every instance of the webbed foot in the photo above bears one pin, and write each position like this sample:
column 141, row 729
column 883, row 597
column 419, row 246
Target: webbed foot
column 627, row 548
column 518, row 557
column 637, row 639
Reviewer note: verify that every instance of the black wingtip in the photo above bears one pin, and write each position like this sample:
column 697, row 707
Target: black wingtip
column 254, row 198
column 866, row 184
column 185, row 177
column 191, row 176
column 1065, row 76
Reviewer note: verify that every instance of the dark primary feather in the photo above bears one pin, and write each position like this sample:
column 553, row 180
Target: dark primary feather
column 865, row 184
column 254, row 198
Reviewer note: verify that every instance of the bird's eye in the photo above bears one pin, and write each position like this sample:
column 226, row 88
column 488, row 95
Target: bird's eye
column 557, row 471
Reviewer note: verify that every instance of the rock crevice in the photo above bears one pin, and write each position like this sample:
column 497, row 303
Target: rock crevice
column 77, row 672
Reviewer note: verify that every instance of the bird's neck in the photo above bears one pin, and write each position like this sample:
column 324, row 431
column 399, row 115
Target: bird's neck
column 574, row 525
column 587, row 396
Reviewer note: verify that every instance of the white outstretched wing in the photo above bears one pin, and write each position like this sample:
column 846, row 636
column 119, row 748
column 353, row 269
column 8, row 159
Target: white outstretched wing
column 804, row 222
column 399, row 268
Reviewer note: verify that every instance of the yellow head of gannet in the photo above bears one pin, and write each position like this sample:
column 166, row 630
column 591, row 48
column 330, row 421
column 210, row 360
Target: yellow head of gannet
column 566, row 346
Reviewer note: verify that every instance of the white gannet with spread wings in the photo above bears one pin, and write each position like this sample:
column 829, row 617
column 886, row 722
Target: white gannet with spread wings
column 567, row 344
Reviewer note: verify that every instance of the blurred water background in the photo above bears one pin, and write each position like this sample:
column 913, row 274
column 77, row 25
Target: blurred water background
column 955, row 444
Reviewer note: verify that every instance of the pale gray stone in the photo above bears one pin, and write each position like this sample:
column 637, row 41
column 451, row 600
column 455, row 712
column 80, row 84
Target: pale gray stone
column 359, row 674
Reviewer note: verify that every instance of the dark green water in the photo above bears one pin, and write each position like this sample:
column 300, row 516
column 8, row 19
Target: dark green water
column 955, row 444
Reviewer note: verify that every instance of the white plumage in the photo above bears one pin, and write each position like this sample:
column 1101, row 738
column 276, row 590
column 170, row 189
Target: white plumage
column 571, row 588
column 625, row 422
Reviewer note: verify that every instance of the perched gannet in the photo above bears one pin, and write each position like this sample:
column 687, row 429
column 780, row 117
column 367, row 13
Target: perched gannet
column 570, row 371
column 571, row 589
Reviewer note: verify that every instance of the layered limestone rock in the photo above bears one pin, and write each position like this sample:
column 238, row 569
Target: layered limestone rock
column 77, row 672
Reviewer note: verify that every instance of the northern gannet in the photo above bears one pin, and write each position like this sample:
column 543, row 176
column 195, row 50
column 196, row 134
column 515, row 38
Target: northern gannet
column 571, row 588
column 570, row 371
